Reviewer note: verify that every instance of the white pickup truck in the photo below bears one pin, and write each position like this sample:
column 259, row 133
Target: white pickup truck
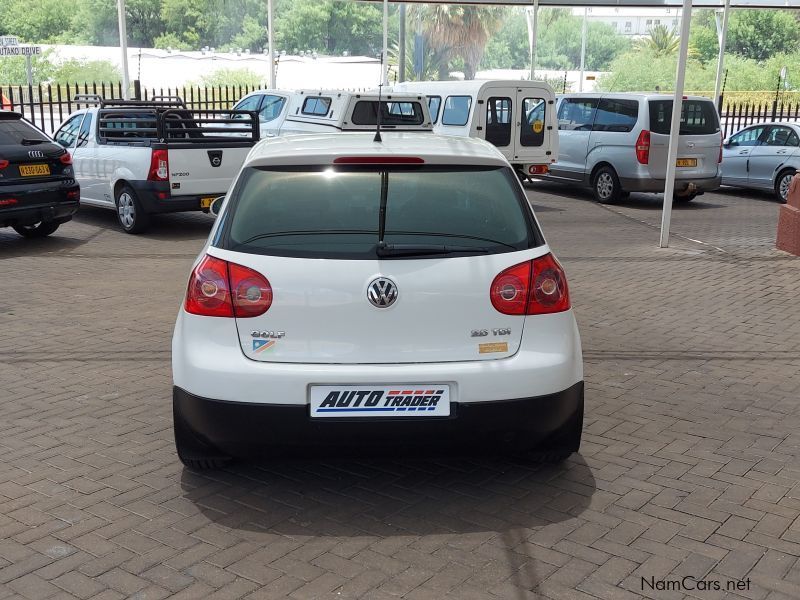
column 146, row 157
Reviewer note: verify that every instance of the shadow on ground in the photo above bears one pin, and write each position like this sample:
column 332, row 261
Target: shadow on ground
column 445, row 494
column 171, row 226
column 13, row 245
column 635, row 200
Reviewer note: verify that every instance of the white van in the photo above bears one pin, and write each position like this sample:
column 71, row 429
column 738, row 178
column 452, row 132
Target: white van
column 331, row 111
column 618, row 143
column 518, row 117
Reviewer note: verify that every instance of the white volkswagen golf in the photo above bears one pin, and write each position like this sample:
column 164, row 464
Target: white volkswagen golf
column 362, row 292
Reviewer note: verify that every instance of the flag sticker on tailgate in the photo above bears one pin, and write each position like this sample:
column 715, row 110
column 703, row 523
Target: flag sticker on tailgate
column 379, row 401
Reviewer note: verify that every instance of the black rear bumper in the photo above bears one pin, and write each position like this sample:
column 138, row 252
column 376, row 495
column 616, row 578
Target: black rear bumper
column 245, row 429
column 156, row 197
column 28, row 205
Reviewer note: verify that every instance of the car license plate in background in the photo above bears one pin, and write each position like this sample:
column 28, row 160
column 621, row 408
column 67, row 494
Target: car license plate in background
column 415, row 400
column 34, row 170
column 206, row 202
column 686, row 162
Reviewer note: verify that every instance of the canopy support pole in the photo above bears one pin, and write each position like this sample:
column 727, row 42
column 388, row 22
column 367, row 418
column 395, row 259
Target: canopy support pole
column 722, row 35
column 270, row 46
column 533, row 34
column 123, row 46
column 583, row 46
column 385, row 52
column 675, row 125
column 401, row 59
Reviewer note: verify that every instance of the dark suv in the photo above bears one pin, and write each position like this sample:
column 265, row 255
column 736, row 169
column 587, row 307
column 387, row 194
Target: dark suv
column 38, row 190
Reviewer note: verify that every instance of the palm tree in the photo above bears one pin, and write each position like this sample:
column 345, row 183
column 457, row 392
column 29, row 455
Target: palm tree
column 660, row 41
column 453, row 30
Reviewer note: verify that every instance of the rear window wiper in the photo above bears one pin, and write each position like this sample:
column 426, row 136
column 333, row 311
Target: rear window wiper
column 424, row 249
column 31, row 141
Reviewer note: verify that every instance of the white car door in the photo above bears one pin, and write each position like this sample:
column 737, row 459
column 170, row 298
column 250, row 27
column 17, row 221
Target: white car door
column 68, row 136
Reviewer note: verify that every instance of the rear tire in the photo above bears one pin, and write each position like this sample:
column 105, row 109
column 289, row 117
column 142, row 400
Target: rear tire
column 39, row 230
column 130, row 213
column 193, row 453
column 782, row 183
column 605, row 186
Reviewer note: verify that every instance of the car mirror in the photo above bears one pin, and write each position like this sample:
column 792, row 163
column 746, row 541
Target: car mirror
column 216, row 205
column 726, row 143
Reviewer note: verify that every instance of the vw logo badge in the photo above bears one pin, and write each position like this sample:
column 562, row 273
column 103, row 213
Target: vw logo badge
column 382, row 292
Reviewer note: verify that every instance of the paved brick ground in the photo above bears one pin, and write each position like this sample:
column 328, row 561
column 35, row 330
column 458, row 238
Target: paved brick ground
column 690, row 464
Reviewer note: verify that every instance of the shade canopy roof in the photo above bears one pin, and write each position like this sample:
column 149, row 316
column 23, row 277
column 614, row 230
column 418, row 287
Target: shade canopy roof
column 794, row 4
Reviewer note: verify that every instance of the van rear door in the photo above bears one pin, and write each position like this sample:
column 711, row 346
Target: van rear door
column 700, row 141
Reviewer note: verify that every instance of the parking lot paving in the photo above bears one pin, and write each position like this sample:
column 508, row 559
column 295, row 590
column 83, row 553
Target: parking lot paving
column 688, row 477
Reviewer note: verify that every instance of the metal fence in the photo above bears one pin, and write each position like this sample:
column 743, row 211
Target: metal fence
column 736, row 116
column 46, row 106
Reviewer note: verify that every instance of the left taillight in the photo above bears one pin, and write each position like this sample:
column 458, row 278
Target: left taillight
column 218, row 288
column 4, row 163
column 65, row 159
column 531, row 288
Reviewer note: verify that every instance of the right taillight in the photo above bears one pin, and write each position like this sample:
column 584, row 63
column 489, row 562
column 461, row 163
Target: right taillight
column 643, row 147
column 531, row 288
column 218, row 288
column 159, row 166
column 721, row 139
column 4, row 163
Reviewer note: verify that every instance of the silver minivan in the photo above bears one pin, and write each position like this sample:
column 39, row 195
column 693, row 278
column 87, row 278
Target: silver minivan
column 618, row 143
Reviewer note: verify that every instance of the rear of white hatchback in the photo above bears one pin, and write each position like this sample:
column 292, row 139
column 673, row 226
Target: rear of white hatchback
column 376, row 293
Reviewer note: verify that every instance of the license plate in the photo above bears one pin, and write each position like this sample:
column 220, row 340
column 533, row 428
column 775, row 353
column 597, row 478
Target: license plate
column 206, row 202
column 34, row 170
column 379, row 401
column 686, row 162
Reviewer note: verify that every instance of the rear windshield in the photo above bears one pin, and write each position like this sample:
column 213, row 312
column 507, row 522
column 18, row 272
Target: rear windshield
column 13, row 131
column 334, row 212
column 698, row 117
column 392, row 113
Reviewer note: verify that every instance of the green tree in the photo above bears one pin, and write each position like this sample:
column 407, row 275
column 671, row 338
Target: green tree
column 559, row 44
column 660, row 41
column 509, row 47
column 144, row 21
column 234, row 77
column 14, row 72
column 40, row 24
column 703, row 36
column 96, row 71
column 331, row 27
column 461, row 31
column 760, row 34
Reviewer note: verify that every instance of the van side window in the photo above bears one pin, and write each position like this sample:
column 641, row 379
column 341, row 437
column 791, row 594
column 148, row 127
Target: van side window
column 616, row 115
column 498, row 121
column 456, row 110
column 531, row 132
column 577, row 114
column 317, row 105
column 434, row 103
